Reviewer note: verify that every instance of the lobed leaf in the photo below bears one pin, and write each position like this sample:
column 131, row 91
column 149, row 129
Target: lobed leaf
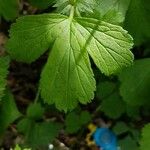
column 67, row 76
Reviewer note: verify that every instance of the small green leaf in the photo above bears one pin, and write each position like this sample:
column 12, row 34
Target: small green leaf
column 81, row 6
column 8, row 112
column 120, row 128
column 112, row 11
column 46, row 133
column 4, row 64
column 38, row 134
column 133, row 111
column 136, row 134
column 135, row 83
column 9, row 9
column 42, row 4
column 113, row 106
column 72, row 123
column 85, row 117
column 24, row 126
column 35, row 111
column 145, row 143
column 17, row 147
column 128, row 144
column 105, row 89
column 137, row 20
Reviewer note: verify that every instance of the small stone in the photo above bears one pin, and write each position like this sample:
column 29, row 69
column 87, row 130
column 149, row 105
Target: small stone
column 51, row 146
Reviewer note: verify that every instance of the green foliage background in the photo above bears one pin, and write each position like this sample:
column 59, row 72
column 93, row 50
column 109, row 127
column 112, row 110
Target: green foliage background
column 97, row 53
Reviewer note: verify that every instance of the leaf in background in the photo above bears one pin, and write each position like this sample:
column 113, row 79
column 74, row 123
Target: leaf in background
column 145, row 141
column 113, row 106
column 135, row 83
column 120, row 128
column 137, row 20
column 133, row 111
column 74, row 122
column 82, row 6
column 4, row 64
column 17, row 147
column 9, row 9
column 38, row 134
column 68, row 73
column 35, row 111
column 105, row 89
column 42, row 4
column 136, row 134
column 112, row 11
column 84, row 117
column 8, row 111
column 128, row 144
column 24, row 126
column 46, row 133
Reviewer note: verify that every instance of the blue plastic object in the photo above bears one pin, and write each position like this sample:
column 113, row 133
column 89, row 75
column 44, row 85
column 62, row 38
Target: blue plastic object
column 105, row 139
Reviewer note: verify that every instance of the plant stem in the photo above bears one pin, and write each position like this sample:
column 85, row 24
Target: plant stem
column 37, row 96
column 72, row 13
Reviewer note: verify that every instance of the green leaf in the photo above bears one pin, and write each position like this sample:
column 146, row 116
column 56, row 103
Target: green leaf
column 35, row 111
column 9, row 9
column 81, row 6
column 145, row 144
column 85, row 117
column 109, row 45
column 113, row 106
column 137, row 20
column 75, row 121
column 135, row 134
column 68, row 73
column 4, row 64
column 31, row 36
column 128, row 144
column 113, row 11
column 17, row 147
column 133, row 111
column 42, row 4
column 8, row 112
column 45, row 131
column 120, row 128
column 105, row 89
column 135, row 83
column 72, row 123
